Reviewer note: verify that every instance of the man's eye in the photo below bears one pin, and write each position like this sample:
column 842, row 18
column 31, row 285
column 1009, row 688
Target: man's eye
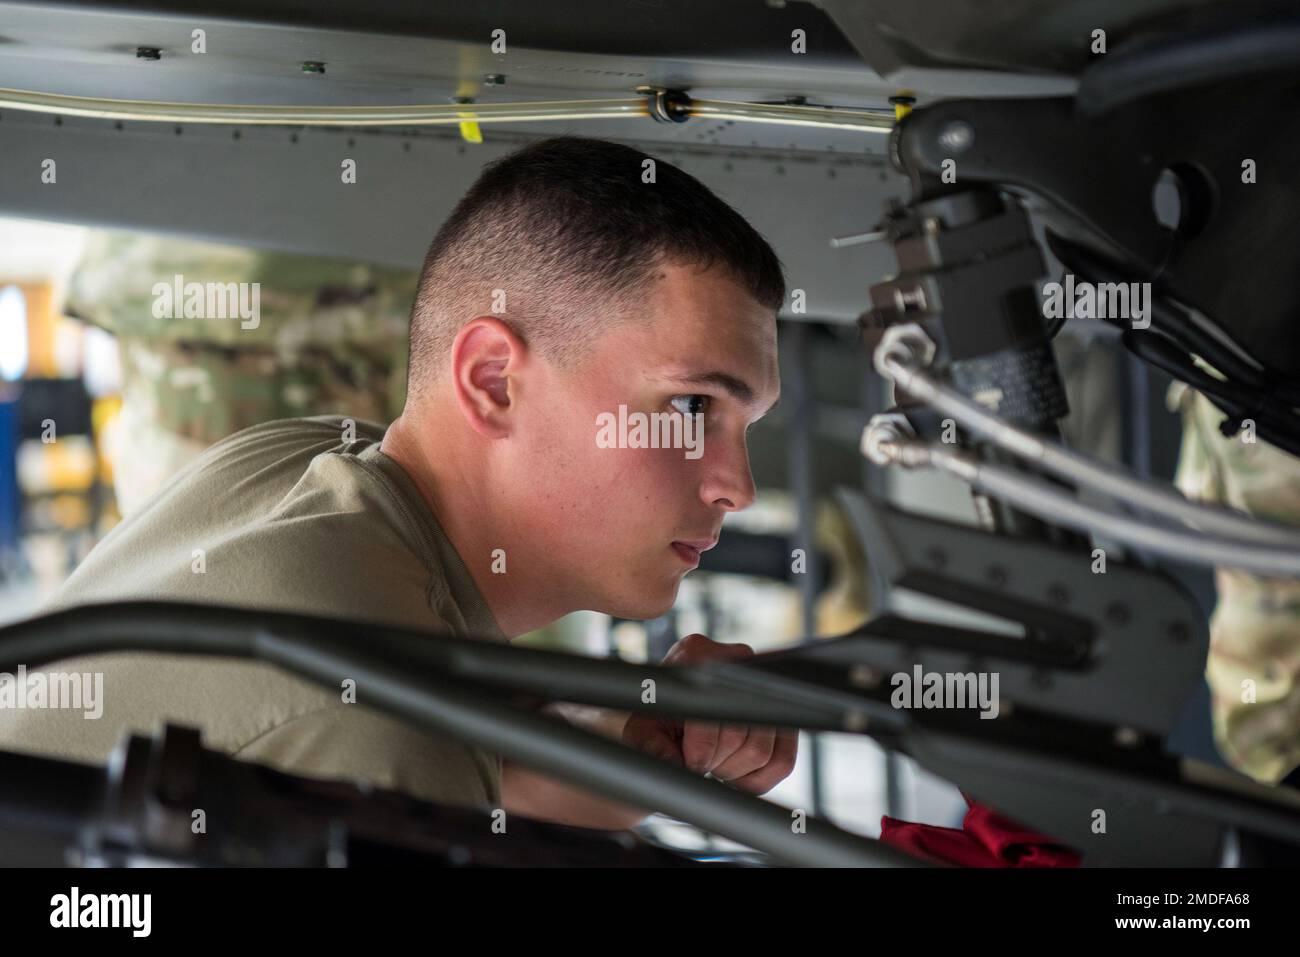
column 690, row 404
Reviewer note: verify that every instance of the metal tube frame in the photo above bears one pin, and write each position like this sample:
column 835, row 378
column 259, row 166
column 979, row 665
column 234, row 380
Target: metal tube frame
column 825, row 117
column 462, row 687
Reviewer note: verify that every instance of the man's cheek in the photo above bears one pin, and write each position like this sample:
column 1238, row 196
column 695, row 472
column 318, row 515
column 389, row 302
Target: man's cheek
column 665, row 473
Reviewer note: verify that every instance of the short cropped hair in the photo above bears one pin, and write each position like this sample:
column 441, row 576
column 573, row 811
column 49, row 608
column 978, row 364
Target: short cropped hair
column 560, row 237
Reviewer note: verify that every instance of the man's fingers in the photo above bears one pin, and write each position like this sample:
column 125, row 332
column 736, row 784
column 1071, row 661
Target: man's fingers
column 754, row 753
column 667, row 749
column 706, row 745
column 696, row 649
column 784, row 752
column 730, row 740
column 653, row 736
column 699, row 741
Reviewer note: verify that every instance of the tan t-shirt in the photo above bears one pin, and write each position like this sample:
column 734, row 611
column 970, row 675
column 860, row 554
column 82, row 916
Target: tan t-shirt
column 284, row 516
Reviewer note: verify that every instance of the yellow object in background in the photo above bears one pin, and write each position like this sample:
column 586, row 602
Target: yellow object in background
column 103, row 413
column 68, row 465
column 469, row 128
column 470, row 132
column 42, row 355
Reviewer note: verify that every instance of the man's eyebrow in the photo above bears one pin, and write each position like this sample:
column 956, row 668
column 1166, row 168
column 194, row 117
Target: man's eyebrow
column 739, row 389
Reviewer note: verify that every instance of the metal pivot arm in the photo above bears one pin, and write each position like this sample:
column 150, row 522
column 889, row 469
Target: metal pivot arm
column 1090, row 638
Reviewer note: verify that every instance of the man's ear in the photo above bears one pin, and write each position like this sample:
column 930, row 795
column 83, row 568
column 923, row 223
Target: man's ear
column 485, row 357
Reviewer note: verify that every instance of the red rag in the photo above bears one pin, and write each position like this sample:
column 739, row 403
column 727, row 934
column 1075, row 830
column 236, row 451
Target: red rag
column 986, row 839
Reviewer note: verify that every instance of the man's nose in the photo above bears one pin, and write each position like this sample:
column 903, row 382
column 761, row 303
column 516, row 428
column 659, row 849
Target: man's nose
column 728, row 483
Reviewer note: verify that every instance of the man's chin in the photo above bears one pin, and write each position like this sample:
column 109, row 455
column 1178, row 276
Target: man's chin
column 641, row 607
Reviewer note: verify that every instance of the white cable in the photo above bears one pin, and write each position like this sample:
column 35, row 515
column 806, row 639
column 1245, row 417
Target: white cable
column 1056, row 505
column 897, row 359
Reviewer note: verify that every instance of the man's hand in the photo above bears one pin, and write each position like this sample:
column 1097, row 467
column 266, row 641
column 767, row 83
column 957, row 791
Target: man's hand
column 750, row 757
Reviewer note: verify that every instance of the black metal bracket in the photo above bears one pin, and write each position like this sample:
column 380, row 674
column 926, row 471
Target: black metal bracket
column 1094, row 178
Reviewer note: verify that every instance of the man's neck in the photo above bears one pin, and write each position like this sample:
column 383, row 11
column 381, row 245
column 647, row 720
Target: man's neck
column 446, row 479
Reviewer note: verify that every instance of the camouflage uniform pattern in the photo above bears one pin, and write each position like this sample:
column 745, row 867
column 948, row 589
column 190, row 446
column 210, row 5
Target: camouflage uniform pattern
column 1255, row 629
column 331, row 339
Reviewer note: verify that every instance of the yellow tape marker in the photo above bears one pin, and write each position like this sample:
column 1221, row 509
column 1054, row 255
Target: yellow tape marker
column 469, row 129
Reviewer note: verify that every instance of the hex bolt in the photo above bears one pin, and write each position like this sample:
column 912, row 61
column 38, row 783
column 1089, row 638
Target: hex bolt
column 909, row 300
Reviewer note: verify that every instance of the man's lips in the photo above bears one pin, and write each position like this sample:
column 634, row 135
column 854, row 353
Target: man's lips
column 690, row 549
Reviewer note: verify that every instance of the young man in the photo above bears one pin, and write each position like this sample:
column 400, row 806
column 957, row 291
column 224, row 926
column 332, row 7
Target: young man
column 564, row 289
